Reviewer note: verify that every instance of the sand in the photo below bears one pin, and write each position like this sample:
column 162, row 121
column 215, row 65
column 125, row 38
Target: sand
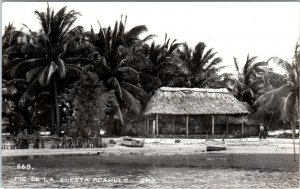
column 249, row 153
column 160, row 146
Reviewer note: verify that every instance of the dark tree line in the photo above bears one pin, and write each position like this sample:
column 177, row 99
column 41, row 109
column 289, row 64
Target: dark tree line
column 88, row 79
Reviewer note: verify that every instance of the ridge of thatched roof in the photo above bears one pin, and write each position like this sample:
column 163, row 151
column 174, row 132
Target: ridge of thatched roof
column 174, row 89
column 194, row 101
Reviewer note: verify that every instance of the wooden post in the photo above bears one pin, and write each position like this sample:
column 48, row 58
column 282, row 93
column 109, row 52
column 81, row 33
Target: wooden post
column 213, row 125
column 157, row 124
column 147, row 125
column 187, row 124
column 242, row 124
column 173, row 123
column 200, row 124
column 227, row 124
column 153, row 127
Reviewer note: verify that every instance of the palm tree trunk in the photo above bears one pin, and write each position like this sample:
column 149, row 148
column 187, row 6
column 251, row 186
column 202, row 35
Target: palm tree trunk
column 268, row 127
column 52, row 117
column 293, row 132
column 56, row 107
column 26, row 115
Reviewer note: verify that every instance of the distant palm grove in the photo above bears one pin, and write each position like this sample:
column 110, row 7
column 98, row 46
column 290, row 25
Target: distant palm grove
column 63, row 78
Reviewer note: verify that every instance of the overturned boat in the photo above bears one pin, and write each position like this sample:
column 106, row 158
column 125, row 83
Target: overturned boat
column 215, row 145
column 129, row 142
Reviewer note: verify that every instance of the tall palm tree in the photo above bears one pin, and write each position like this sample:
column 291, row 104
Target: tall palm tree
column 46, row 67
column 249, row 80
column 202, row 67
column 284, row 99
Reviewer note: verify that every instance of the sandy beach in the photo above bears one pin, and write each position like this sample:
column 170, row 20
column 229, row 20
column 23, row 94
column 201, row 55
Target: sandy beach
column 251, row 153
column 160, row 146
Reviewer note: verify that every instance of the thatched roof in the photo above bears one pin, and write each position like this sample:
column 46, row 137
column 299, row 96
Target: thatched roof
column 194, row 101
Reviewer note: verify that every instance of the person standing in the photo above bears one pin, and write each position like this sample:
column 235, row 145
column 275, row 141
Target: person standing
column 262, row 133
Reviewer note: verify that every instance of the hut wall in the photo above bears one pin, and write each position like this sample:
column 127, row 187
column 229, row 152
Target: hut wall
column 198, row 125
column 249, row 130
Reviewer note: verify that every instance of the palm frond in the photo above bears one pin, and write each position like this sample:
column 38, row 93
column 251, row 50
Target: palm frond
column 236, row 64
column 289, row 68
column 114, row 84
column 127, row 71
column 136, row 91
column 147, row 38
column 214, row 63
column 17, row 82
column 282, row 63
column 113, row 44
column 29, row 94
column 83, row 61
column 208, row 55
column 249, row 63
column 174, row 47
column 134, row 105
column 198, row 52
column 25, row 66
column 253, row 69
column 46, row 75
column 177, row 82
column 73, row 70
column 35, row 49
column 271, row 100
column 287, row 107
column 34, row 73
column 69, row 35
column 61, row 68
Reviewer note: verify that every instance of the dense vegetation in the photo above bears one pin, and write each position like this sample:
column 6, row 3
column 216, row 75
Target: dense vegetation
column 88, row 80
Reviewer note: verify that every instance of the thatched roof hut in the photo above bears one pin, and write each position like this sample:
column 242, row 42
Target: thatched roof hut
column 195, row 101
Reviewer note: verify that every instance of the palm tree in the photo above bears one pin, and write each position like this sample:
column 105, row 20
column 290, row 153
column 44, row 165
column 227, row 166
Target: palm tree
column 201, row 67
column 249, row 80
column 11, row 49
column 163, row 66
column 44, row 67
column 117, row 59
column 116, row 56
column 284, row 99
column 13, row 88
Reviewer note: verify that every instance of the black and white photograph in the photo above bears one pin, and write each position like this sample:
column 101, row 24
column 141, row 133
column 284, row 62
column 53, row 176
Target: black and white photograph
column 150, row 94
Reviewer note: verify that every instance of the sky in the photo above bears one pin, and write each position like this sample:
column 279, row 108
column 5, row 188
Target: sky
column 233, row 29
